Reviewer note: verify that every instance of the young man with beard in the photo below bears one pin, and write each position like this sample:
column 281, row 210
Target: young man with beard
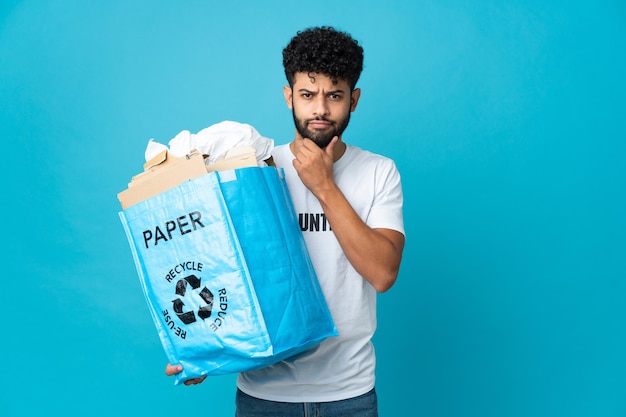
column 359, row 195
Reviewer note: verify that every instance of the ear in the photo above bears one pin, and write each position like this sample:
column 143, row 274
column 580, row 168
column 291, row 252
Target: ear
column 354, row 98
column 288, row 93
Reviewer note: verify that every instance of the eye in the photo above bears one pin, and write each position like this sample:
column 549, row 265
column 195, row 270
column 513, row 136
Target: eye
column 335, row 96
column 306, row 95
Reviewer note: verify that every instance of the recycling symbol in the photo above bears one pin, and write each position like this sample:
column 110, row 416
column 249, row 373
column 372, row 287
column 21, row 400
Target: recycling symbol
column 181, row 290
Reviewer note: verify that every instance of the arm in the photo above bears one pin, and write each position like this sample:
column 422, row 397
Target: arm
column 374, row 253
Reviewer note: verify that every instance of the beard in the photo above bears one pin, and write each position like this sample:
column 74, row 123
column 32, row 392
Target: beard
column 321, row 138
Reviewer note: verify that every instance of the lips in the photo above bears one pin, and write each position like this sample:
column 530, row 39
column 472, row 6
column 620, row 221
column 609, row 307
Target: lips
column 319, row 124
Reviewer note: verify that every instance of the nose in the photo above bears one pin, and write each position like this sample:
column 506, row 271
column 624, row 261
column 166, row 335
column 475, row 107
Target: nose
column 321, row 106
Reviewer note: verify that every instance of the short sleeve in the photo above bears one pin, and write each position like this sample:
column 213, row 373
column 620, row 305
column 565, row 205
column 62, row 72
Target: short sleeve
column 386, row 211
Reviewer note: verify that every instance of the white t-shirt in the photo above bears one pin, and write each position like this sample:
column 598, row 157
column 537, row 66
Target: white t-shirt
column 340, row 367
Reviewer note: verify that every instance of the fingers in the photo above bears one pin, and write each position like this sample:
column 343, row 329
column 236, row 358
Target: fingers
column 310, row 149
column 173, row 369
column 331, row 146
column 194, row 381
column 308, row 146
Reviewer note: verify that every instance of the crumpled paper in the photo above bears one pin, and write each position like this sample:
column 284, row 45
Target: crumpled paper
column 215, row 141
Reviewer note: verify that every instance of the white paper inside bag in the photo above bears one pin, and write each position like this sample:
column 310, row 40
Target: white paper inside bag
column 215, row 141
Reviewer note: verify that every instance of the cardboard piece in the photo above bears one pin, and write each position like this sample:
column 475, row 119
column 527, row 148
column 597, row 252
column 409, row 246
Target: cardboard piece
column 166, row 171
column 238, row 157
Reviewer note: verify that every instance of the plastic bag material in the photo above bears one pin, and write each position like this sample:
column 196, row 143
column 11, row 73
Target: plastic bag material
column 226, row 274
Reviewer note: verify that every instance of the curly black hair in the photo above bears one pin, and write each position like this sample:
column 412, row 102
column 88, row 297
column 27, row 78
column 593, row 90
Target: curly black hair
column 324, row 50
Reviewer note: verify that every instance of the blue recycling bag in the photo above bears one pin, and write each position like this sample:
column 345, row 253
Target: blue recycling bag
column 226, row 273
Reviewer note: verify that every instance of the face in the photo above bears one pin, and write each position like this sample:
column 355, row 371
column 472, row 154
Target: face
column 321, row 109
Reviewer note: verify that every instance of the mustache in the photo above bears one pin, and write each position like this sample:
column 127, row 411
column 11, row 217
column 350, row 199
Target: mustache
column 320, row 118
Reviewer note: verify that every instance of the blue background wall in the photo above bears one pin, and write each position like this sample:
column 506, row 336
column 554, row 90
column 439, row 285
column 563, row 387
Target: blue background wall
column 506, row 119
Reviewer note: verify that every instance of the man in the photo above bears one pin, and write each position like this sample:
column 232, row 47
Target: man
column 357, row 249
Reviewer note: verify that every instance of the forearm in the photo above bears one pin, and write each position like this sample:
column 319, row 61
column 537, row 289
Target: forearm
column 374, row 253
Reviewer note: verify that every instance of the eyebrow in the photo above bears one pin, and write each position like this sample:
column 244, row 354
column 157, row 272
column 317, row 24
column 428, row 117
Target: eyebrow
column 337, row 91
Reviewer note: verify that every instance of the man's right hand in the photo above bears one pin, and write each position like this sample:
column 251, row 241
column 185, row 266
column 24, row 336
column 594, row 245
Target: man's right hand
column 171, row 370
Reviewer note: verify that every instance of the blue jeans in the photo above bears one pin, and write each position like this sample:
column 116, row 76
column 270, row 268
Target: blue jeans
column 365, row 405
